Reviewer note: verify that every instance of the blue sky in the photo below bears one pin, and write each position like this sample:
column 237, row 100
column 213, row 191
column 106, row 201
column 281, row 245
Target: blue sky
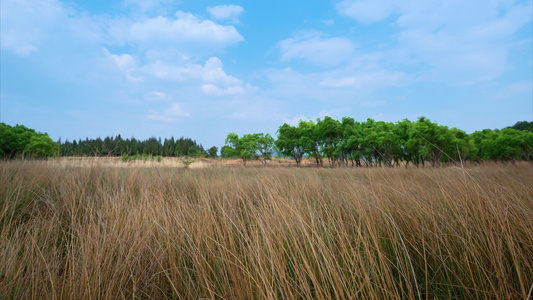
column 201, row 69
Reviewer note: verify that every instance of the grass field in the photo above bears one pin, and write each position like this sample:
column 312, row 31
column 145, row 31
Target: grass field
column 97, row 231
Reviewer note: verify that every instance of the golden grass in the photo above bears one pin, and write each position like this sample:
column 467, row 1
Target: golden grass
column 173, row 162
column 68, row 231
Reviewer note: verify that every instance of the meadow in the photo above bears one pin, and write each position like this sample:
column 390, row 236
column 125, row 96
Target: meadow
column 156, row 231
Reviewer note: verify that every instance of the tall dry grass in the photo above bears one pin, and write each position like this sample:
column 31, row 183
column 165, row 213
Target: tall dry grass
column 147, row 233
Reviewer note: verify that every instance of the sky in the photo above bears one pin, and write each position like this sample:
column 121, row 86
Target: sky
column 201, row 69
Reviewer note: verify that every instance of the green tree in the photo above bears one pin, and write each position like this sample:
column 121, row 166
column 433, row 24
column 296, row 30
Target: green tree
column 20, row 141
column 290, row 142
column 244, row 147
column 431, row 138
column 212, row 152
column 523, row 125
column 352, row 138
column 512, row 144
column 42, row 146
column 459, row 146
column 265, row 146
column 329, row 134
column 309, row 139
column 228, row 152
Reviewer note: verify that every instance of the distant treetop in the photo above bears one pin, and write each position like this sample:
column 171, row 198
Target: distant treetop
column 523, row 125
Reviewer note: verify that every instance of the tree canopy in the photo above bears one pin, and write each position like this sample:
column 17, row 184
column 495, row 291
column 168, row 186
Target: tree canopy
column 344, row 142
column 249, row 146
column 370, row 143
column 118, row 146
column 523, row 125
column 21, row 142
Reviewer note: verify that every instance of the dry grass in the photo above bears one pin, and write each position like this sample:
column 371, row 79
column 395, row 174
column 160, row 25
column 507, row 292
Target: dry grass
column 68, row 231
column 174, row 162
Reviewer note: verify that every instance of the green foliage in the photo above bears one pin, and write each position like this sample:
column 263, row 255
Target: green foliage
column 117, row 146
column 290, row 142
column 186, row 162
column 228, row 152
column 265, row 146
column 22, row 142
column 329, row 138
column 212, row 152
column 42, row 146
column 244, row 147
column 380, row 143
column 505, row 144
column 523, row 125
column 309, row 140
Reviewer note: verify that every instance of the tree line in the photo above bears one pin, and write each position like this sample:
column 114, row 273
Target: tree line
column 377, row 143
column 117, row 146
column 327, row 142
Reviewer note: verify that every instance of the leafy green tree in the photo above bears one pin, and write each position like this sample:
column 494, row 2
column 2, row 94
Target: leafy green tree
column 228, row 152
column 265, row 146
column 402, row 129
column 329, row 134
column 309, row 140
column 212, row 152
column 20, row 141
column 431, row 138
column 353, row 139
column 343, row 150
column 386, row 143
column 459, row 146
column 42, row 146
column 244, row 147
column 290, row 142
column 368, row 142
column 523, row 125
column 512, row 144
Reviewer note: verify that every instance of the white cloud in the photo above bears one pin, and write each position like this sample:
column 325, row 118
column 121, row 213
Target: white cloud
column 459, row 42
column 162, row 70
column 170, row 115
column 158, row 96
column 186, row 31
column 365, row 80
column 26, row 25
column 211, row 77
column 213, row 72
column 214, row 90
column 314, row 48
column 226, row 12
column 210, row 72
column 366, row 11
column 147, row 5
column 123, row 62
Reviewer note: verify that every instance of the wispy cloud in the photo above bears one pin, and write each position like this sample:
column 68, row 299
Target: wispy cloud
column 366, row 11
column 226, row 12
column 315, row 48
column 170, row 115
column 445, row 38
column 185, row 31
